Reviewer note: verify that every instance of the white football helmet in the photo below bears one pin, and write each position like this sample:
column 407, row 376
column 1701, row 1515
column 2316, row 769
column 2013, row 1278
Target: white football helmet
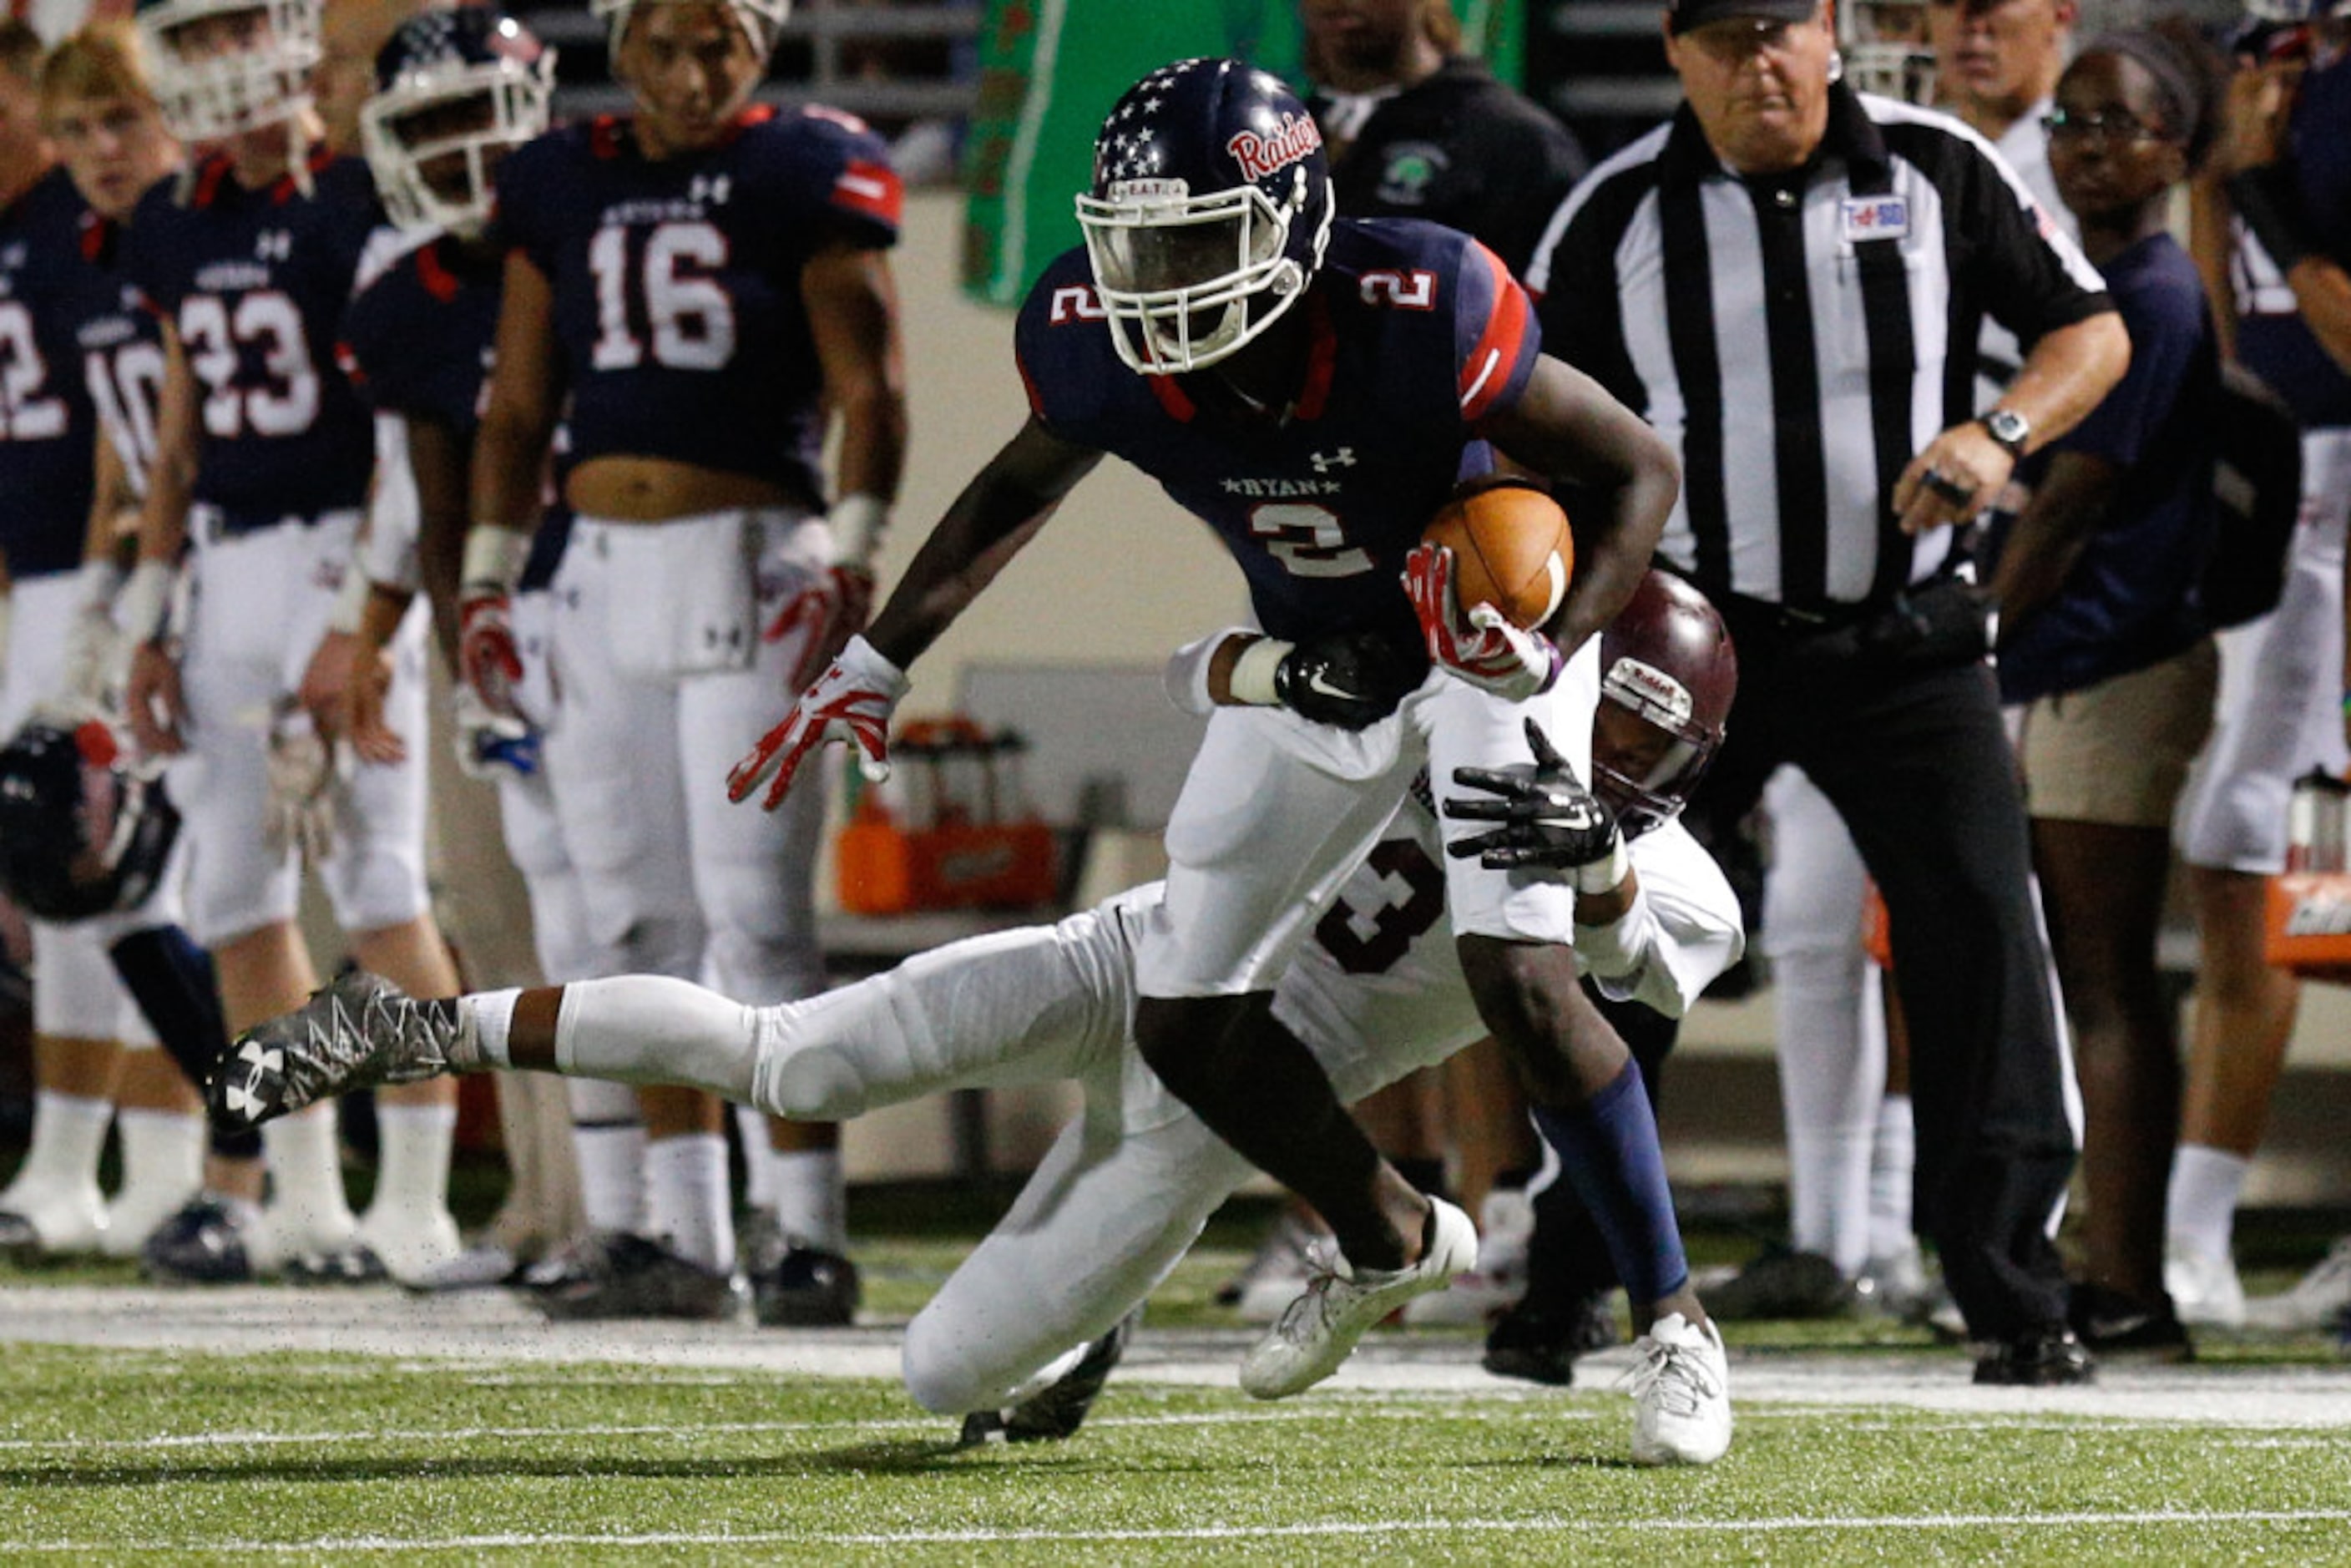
column 762, row 19
column 1885, row 48
column 225, row 67
column 452, row 88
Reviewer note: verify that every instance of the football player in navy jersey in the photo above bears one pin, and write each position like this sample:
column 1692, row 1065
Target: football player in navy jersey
column 1307, row 387
column 82, row 1015
column 264, row 460
column 457, row 90
column 704, row 281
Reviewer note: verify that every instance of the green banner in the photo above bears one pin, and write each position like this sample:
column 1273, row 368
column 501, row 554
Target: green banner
column 1049, row 70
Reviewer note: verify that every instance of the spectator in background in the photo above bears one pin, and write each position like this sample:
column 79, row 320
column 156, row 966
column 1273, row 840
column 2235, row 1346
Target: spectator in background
column 2102, row 636
column 1416, row 129
column 1997, row 67
column 2273, row 233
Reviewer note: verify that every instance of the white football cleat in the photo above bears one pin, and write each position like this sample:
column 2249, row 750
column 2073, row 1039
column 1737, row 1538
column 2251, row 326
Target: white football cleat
column 1506, row 1225
column 1681, row 1393
column 42, row 1218
column 412, row 1247
column 1277, row 1271
column 2204, row 1289
column 134, row 1216
column 1320, row 1327
column 2317, row 1301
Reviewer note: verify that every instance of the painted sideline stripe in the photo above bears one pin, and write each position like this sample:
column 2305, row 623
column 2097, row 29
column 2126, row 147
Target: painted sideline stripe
column 1783, row 1525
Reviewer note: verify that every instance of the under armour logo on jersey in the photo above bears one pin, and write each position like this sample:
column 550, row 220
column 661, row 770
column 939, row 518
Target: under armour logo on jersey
column 1326, row 461
column 273, row 245
column 711, row 188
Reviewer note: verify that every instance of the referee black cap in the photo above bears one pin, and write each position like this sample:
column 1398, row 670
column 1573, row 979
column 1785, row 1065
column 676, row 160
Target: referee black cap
column 1681, row 15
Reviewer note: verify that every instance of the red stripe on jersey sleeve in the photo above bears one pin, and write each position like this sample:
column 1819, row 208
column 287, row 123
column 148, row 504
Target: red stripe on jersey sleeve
column 871, row 189
column 1028, row 385
column 1488, row 369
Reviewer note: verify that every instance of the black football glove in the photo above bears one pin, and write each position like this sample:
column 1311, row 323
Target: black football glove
column 1351, row 679
column 1549, row 819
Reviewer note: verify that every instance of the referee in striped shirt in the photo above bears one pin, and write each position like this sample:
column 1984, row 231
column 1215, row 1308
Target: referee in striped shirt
column 1788, row 279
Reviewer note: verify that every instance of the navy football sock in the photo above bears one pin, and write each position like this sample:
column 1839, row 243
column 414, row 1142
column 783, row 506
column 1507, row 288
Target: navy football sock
column 171, row 978
column 1609, row 1149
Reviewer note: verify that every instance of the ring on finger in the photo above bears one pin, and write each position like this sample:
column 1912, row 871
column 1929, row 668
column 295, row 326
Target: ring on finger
column 1948, row 488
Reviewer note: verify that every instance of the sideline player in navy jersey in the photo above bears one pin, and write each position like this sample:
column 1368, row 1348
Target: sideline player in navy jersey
column 456, row 91
column 82, row 1015
column 704, row 281
column 1306, row 386
column 264, row 461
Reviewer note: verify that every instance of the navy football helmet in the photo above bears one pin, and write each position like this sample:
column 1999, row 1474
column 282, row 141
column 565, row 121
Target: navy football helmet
column 1668, row 662
column 224, row 66
column 80, row 834
column 454, row 90
column 1210, row 208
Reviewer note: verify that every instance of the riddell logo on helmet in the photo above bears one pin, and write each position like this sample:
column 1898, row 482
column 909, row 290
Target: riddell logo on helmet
column 1258, row 156
column 1650, row 686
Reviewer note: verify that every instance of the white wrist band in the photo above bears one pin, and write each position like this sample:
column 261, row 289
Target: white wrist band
column 857, row 523
column 1251, row 681
column 494, row 555
column 99, row 581
column 1600, row 877
column 351, row 600
column 146, row 601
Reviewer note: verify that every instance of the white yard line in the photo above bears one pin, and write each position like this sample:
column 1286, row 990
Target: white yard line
column 498, row 1333
column 1582, row 1524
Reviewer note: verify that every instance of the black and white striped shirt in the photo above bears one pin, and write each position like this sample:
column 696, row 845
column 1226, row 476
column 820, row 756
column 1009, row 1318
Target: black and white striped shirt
column 1793, row 335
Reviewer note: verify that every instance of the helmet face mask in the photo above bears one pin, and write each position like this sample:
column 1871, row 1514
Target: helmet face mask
column 1886, row 50
column 457, row 91
column 1667, row 677
column 1210, row 208
column 222, row 68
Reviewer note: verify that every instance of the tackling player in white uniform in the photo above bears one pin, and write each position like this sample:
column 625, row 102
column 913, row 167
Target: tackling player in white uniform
column 1021, row 1337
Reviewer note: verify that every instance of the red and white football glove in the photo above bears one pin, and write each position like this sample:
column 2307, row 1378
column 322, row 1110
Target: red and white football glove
column 1493, row 655
column 487, row 654
column 852, row 701
column 829, row 612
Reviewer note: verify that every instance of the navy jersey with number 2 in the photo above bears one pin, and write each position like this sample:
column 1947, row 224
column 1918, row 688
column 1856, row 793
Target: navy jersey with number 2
column 1416, row 333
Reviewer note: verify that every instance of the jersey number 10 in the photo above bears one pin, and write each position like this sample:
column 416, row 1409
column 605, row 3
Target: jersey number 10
column 689, row 314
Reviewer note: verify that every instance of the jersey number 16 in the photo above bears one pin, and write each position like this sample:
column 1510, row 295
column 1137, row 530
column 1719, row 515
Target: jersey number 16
column 689, row 313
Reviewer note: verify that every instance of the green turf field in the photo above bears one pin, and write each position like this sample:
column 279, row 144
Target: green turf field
column 187, row 1456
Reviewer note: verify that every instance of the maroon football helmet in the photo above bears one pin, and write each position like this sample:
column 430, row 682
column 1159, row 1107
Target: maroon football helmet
column 1667, row 673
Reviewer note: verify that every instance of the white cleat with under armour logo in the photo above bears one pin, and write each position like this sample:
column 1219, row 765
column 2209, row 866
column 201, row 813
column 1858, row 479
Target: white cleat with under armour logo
column 356, row 1031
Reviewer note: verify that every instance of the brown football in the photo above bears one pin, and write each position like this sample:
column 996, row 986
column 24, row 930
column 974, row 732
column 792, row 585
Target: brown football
column 1511, row 548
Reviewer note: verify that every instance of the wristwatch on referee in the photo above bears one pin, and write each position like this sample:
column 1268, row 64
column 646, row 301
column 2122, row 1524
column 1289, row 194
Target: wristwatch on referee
column 2007, row 428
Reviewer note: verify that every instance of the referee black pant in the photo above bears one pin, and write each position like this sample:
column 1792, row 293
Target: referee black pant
column 1911, row 752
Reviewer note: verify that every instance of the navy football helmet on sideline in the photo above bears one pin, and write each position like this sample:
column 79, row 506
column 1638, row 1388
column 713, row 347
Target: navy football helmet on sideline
column 1667, row 659
column 455, row 89
column 224, row 66
column 1210, row 207
column 80, row 834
